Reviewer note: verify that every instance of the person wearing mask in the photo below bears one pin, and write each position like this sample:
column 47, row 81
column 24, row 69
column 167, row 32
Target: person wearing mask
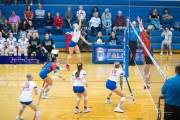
column 58, row 23
column 68, row 16
column 133, row 40
column 171, row 91
column 48, row 21
column 99, row 39
column 34, row 45
column 39, row 16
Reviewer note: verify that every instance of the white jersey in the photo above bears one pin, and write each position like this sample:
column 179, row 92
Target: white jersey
column 76, row 35
column 168, row 35
column 11, row 43
column 79, row 81
column 23, row 44
column 2, row 42
column 26, row 94
column 115, row 74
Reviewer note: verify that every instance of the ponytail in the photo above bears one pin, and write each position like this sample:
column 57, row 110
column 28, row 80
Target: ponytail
column 79, row 67
column 53, row 59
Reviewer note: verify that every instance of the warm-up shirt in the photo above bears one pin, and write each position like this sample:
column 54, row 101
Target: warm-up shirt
column 48, row 44
column 34, row 42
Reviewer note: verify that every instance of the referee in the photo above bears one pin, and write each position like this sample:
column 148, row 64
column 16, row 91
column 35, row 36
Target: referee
column 171, row 89
column 133, row 39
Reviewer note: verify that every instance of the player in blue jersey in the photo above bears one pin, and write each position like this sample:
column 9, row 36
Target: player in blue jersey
column 47, row 68
column 116, row 73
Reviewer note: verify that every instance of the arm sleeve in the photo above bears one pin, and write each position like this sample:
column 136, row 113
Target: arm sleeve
column 165, row 86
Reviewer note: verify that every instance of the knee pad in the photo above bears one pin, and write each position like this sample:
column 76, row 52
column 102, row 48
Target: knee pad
column 123, row 99
column 69, row 56
column 38, row 113
column 79, row 55
column 86, row 98
column 49, row 87
column 22, row 108
column 78, row 99
column 110, row 92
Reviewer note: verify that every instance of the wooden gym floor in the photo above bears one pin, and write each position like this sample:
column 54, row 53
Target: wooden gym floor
column 62, row 100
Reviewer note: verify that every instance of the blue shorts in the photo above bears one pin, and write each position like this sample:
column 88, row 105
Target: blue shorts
column 26, row 103
column 72, row 44
column 78, row 89
column 111, row 85
column 42, row 75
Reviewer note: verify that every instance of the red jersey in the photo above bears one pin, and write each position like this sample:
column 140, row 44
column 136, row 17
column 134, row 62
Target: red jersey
column 147, row 43
column 58, row 22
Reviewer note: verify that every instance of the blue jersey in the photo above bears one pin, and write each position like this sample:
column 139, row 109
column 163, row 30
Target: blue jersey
column 49, row 67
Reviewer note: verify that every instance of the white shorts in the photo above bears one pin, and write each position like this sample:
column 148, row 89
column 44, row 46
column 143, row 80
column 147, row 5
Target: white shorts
column 166, row 42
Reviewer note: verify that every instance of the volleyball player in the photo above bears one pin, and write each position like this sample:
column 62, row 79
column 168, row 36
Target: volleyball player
column 116, row 73
column 145, row 35
column 73, row 43
column 2, row 44
column 22, row 44
column 25, row 98
column 79, row 79
column 47, row 68
column 11, row 45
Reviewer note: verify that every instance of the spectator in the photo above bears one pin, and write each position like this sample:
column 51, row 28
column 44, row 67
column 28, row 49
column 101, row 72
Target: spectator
column 107, row 23
column 2, row 18
column 167, row 19
column 95, row 9
column 119, row 22
column 39, row 2
column 22, row 45
column 28, row 13
column 99, row 39
column 31, row 29
column 14, row 20
column 23, row 27
column 113, row 39
column 83, row 15
column 68, row 16
column 6, row 29
column 167, row 41
column 11, row 45
column 34, row 45
column 26, row 1
column 47, row 46
column 9, row 2
column 40, row 15
column 95, row 23
column 154, row 18
column 133, row 39
column 58, row 23
column 106, row 12
column 48, row 21
column 84, row 34
column 2, row 44
column 171, row 90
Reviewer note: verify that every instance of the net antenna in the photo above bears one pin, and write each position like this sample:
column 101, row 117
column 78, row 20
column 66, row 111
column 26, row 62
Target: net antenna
column 154, row 62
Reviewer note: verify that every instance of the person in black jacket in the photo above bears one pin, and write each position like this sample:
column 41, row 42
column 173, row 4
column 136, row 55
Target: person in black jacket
column 113, row 39
column 48, row 21
column 23, row 27
column 47, row 46
column 34, row 45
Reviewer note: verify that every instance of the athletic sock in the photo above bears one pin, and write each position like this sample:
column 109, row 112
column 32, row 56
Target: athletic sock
column 118, row 105
column 77, row 107
column 108, row 98
column 85, row 106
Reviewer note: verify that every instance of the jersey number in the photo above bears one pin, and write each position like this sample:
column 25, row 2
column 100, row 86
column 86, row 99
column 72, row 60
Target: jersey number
column 27, row 86
column 114, row 72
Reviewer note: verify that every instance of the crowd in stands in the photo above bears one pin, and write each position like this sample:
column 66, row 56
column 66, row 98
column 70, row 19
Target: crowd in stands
column 39, row 18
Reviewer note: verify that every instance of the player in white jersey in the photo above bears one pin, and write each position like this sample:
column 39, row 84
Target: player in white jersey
column 115, row 75
column 22, row 44
column 2, row 44
column 25, row 98
column 73, row 43
column 79, row 79
column 11, row 44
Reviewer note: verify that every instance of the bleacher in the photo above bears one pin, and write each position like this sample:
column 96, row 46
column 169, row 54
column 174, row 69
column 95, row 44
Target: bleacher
column 137, row 8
